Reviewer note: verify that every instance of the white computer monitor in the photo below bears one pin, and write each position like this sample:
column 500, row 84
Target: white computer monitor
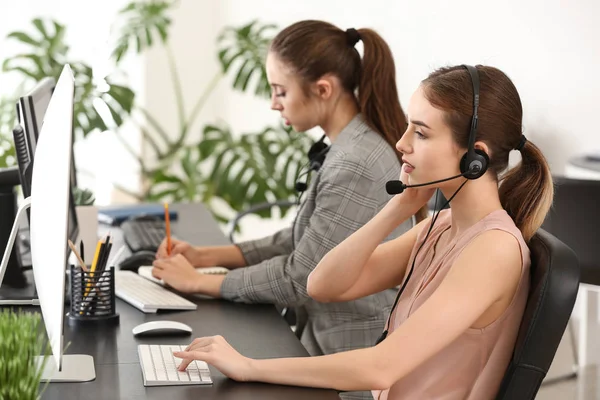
column 49, row 221
column 31, row 109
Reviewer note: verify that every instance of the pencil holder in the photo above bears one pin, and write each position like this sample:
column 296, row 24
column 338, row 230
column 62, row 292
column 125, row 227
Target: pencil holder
column 92, row 297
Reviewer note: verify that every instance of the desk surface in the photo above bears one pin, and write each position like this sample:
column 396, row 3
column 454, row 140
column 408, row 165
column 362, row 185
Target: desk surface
column 256, row 331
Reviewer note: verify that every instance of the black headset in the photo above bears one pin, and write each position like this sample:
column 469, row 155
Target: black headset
column 475, row 161
column 472, row 166
column 316, row 157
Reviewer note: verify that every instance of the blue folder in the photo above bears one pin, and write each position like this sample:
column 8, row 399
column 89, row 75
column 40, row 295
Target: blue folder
column 115, row 215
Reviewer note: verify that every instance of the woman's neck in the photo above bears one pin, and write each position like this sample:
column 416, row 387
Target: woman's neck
column 342, row 112
column 474, row 201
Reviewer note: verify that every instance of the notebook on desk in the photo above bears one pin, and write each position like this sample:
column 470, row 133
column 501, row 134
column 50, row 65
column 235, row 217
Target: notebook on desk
column 115, row 215
column 146, row 272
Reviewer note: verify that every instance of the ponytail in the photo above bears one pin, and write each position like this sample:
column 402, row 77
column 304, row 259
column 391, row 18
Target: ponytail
column 377, row 92
column 378, row 96
column 526, row 191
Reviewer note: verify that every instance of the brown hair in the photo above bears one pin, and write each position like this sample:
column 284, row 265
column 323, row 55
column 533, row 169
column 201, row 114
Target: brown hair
column 526, row 191
column 315, row 48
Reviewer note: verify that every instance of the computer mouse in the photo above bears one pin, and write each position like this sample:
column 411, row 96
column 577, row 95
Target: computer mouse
column 136, row 260
column 162, row 328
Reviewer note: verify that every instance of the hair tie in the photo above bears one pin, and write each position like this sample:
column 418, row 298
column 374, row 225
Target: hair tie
column 521, row 143
column 352, row 37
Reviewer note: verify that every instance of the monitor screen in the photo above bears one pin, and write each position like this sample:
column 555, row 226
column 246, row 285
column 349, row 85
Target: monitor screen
column 31, row 111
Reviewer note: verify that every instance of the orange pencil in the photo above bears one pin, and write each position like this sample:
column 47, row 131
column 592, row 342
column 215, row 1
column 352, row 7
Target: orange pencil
column 168, row 227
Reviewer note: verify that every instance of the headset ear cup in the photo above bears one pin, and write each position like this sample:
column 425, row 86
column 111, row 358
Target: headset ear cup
column 463, row 164
column 485, row 161
column 316, row 155
column 481, row 160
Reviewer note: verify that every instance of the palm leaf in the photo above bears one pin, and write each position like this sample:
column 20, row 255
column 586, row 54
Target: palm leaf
column 243, row 52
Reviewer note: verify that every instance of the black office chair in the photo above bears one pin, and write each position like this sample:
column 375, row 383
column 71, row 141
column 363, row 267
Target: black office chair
column 554, row 284
column 575, row 219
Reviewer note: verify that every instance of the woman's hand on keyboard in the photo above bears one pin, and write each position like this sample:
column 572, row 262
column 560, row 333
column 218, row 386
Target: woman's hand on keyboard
column 217, row 352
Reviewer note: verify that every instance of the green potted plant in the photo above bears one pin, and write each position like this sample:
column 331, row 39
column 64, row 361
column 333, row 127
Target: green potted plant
column 21, row 340
column 237, row 170
column 175, row 166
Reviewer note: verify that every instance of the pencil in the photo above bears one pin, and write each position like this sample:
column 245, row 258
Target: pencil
column 81, row 262
column 168, row 228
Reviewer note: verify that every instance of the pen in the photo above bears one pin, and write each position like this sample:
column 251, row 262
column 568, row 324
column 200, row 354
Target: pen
column 168, row 228
column 103, row 258
column 81, row 253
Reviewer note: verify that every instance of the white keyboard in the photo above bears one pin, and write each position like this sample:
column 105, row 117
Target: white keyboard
column 159, row 367
column 147, row 296
column 146, row 272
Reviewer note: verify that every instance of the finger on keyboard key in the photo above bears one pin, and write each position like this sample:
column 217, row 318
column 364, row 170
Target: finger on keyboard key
column 183, row 376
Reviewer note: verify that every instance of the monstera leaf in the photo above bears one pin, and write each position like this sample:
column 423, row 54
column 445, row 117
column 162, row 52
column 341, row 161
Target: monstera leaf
column 187, row 184
column 254, row 168
column 142, row 21
column 244, row 51
column 47, row 56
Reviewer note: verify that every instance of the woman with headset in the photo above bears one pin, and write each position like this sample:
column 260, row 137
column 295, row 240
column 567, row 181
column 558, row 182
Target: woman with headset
column 464, row 273
column 314, row 70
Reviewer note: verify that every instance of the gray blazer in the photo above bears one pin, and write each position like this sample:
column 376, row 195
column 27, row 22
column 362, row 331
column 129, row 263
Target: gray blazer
column 346, row 193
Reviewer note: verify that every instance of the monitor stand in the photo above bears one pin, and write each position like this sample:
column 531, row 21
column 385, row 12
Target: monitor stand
column 75, row 367
column 11, row 238
column 14, row 276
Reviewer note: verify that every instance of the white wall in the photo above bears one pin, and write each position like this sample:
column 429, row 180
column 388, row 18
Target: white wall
column 101, row 160
column 549, row 48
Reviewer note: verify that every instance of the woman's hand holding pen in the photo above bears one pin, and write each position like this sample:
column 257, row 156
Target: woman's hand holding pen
column 177, row 272
column 228, row 256
column 194, row 255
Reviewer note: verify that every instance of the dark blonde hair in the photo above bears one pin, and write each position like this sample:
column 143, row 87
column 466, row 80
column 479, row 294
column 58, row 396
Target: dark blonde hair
column 526, row 191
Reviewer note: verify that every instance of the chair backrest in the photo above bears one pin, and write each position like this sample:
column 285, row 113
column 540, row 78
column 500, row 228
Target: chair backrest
column 554, row 284
column 575, row 219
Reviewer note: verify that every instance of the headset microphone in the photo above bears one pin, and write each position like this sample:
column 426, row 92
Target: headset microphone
column 397, row 187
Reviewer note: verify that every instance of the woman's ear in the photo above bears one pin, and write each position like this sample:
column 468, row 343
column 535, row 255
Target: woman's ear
column 323, row 88
column 480, row 145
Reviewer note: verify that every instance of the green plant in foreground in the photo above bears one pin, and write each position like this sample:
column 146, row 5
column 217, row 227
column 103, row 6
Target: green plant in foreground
column 21, row 340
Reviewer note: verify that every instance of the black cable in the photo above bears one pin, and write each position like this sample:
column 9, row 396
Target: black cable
column 433, row 220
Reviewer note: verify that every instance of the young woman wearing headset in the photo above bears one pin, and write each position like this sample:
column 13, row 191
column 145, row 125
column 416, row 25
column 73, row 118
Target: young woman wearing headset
column 464, row 278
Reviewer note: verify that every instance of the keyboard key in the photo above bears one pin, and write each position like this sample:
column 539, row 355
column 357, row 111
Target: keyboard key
column 148, row 296
column 159, row 367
